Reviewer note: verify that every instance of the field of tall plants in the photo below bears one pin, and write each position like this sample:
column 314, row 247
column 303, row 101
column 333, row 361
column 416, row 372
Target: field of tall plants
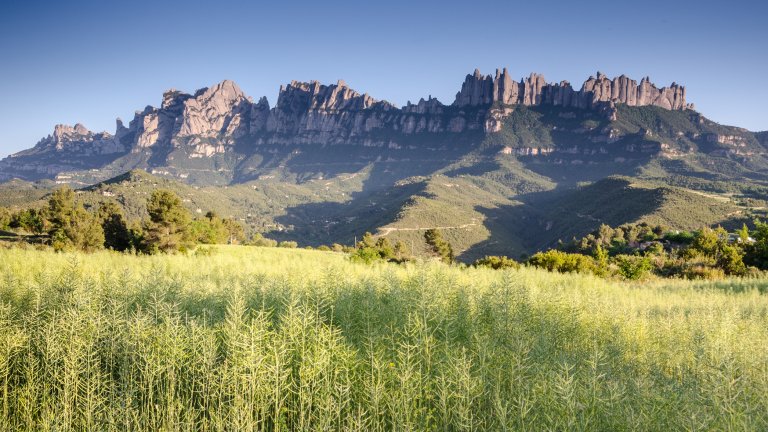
column 250, row 338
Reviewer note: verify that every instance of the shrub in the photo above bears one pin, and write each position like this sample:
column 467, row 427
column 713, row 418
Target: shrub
column 260, row 240
column 288, row 244
column 633, row 267
column 497, row 262
column 563, row 262
column 680, row 237
column 365, row 255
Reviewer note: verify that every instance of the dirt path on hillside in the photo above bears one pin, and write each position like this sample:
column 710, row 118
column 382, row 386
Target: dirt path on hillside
column 388, row 230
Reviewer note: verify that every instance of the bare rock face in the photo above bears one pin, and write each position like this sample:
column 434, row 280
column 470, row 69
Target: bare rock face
column 313, row 113
column 534, row 90
column 78, row 139
column 221, row 109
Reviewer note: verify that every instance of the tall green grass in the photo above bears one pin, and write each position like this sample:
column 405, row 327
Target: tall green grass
column 270, row 339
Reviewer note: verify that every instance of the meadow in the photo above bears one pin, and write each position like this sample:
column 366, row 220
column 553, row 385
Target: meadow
column 256, row 339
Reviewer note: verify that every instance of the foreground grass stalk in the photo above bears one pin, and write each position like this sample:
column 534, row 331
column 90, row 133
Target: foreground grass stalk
column 276, row 340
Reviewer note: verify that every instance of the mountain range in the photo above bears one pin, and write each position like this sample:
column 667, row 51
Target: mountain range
column 508, row 167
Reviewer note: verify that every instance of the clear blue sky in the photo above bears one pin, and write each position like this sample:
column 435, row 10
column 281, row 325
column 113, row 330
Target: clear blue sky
column 93, row 61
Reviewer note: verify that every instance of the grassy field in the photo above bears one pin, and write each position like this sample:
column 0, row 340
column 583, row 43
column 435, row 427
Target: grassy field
column 274, row 339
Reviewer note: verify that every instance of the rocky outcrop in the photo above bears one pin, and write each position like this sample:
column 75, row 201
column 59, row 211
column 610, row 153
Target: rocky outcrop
column 77, row 140
column 313, row 113
column 221, row 110
column 596, row 92
column 479, row 90
column 206, row 122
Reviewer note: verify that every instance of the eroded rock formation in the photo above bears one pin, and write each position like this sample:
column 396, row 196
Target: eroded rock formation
column 218, row 119
column 534, row 90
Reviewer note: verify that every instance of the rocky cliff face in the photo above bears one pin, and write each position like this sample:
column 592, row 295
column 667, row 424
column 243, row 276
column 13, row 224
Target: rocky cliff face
column 76, row 140
column 534, row 90
column 223, row 120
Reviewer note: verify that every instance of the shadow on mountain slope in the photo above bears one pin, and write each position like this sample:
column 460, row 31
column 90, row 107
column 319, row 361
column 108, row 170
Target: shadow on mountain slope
column 324, row 223
column 544, row 218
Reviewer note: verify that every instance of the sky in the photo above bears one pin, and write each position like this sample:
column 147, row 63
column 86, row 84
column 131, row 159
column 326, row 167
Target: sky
column 90, row 62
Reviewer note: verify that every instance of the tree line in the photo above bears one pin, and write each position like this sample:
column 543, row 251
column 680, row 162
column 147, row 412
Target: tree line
column 631, row 251
column 65, row 224
column 371, row 249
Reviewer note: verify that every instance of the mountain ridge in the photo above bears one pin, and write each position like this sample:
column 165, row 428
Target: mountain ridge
column 508, row 168
column 221, row 120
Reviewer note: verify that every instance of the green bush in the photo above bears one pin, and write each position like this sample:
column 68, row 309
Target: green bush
column 260, row 240
column 562, row 262
column 497, row 262
column 633, row 267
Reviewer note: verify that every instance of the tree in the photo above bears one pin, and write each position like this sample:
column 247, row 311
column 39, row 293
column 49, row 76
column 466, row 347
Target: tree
column 367, row 241
column 117, row 235
column 209, row 230
column 85, row 231
column 744, row 234
column 371, row 249
column 30, row 220
column 757, row 252
column 601, row 260
column 401, row 251
column 384, row 247
column 214, row 230
column 168, row 227
column 61, row 208
column 70, row 225
column 5, row 218
column 439, row 246
column 235, row 231
column 731, row 260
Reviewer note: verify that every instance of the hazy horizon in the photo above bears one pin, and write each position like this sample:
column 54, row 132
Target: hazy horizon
column 90, row 63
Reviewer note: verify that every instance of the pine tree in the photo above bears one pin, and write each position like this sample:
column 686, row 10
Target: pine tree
column 71, row 226
column 168, row 227
column 439, row 246
column 117, row 235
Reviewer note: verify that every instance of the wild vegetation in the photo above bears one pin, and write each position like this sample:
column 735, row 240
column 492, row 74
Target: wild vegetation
column 640, row 251
column 65, row 224
column 632, row 251
column 276, row 339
